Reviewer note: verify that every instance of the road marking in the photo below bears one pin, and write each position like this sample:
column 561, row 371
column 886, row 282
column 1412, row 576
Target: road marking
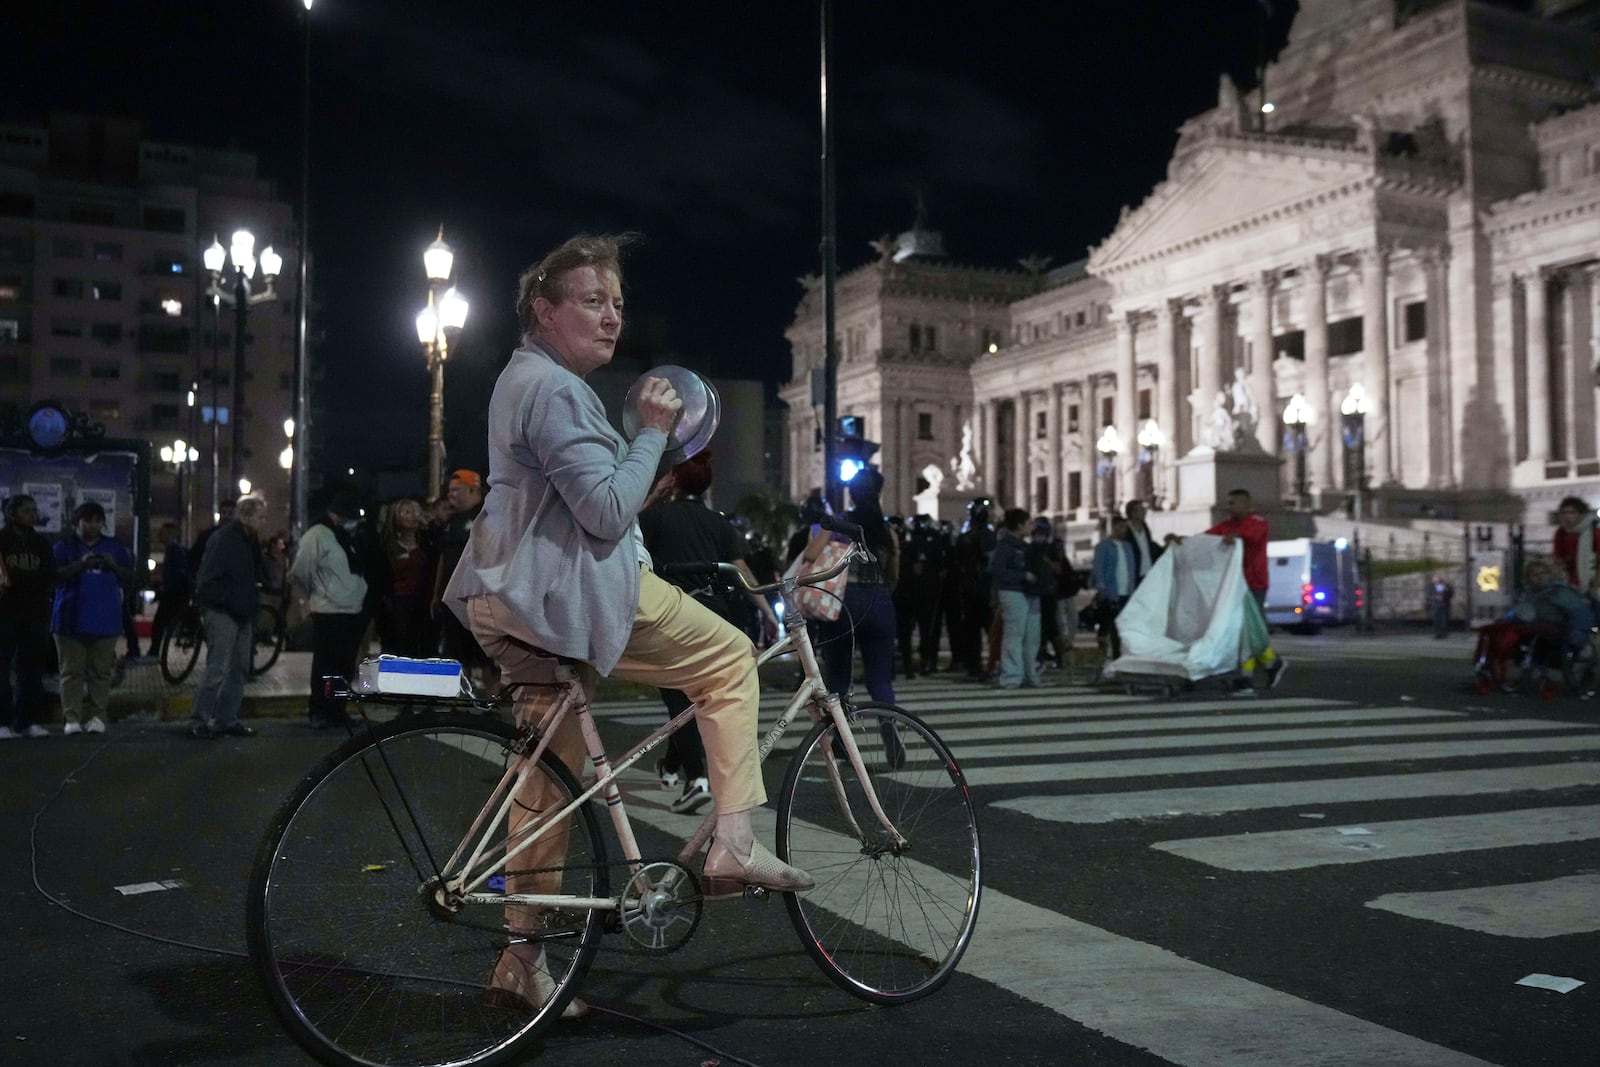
column 1287, row 850
column 1266, row 759
column 1203, row 738
column 1251, row 796
column 1184, row 1011
column 1527, row 909
column 1147, row 997
column 1197, row 727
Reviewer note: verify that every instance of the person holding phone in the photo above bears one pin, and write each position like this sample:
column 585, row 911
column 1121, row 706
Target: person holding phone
column 93, row 572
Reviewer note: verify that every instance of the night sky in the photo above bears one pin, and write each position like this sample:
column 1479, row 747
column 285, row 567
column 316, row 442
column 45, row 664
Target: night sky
column 1025, row 126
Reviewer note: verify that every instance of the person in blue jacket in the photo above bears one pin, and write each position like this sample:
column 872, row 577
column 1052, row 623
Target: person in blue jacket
column 93, row 573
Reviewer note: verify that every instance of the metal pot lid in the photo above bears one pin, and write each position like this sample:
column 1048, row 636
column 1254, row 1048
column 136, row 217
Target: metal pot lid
column 702, row 411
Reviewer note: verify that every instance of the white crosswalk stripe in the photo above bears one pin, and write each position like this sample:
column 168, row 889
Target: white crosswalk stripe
column 1076, row 747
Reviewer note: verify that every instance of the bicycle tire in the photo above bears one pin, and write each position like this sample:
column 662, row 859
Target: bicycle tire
column 180, row 648
column 356, row 965
column 888, row 928
column 266, row 641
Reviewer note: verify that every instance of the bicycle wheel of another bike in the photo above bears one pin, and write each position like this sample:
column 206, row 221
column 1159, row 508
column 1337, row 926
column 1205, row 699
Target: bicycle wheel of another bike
column 889, row 925
column 180, row 650
column 357, row 962
column 267, row 644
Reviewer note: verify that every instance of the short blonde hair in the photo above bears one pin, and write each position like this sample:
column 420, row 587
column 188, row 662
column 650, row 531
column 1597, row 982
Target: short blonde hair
column 548, row 277
column 249, row 507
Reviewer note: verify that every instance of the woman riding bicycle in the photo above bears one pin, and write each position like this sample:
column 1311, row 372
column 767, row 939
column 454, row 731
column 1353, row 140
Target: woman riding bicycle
column 556, row 566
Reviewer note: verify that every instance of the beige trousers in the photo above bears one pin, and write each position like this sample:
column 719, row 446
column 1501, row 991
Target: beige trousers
column 676, row 643
column 91, row 660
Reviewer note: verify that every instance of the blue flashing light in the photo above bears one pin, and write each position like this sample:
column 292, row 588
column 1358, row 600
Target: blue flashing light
column 1320, row 595
column 1341, row 544
column 849, row 468
column 777, row 607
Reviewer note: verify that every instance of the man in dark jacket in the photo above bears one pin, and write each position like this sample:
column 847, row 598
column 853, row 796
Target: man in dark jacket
column 27, row 581
column 226, row 592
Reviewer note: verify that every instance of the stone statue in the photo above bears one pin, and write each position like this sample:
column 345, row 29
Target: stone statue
column 965, row 466
column 1220, row 426
column 1246, row 415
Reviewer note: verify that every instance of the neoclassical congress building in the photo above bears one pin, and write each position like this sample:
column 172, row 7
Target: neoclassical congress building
column 1413, row 230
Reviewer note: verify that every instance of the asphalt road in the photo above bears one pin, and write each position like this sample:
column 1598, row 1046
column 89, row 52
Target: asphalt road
column 1356, row 868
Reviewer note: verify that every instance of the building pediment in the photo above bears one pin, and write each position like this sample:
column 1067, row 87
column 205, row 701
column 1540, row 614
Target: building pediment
column 1224, row 188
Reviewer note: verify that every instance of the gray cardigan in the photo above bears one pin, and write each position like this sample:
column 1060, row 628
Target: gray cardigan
column 557, row 539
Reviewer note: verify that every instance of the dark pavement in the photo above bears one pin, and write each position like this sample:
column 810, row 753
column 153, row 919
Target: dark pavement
column 1061, row 972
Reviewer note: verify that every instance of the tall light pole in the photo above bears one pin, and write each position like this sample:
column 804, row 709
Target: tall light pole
column 1296, row 417
column 302, row 365
column 446, row 311
column 286, row 460
column 1110, row 447
column 179, row 455
column 235, row 291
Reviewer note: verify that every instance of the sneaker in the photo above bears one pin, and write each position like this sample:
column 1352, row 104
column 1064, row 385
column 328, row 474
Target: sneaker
column 8, row 734
column 696, row 795
column 201, row 731
column 71, row 728
column 669, row 779
column 1275, row 672
column 96, row 725
column 36, row 731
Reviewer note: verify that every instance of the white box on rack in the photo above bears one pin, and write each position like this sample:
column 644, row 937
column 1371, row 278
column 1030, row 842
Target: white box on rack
column 411, row 677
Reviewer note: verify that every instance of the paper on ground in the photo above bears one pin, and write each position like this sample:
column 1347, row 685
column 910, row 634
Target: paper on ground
column 150, row 887
column 1550, row 981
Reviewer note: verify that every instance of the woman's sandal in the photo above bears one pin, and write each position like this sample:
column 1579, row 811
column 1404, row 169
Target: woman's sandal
column 521, row 980
column 724, row 874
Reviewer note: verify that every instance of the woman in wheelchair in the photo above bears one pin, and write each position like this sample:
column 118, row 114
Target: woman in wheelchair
column 1551, row 620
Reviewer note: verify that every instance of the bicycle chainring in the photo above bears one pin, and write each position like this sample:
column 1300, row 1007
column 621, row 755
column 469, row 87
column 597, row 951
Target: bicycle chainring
column 661, row 907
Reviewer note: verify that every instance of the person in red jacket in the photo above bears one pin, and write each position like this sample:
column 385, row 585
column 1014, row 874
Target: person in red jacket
column 1248, row 527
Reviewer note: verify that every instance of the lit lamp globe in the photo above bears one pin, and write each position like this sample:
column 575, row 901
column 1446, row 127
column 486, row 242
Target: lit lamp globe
column 452, row 309
column 271, row 263
column 215, row 257
column 243, row 252
column 428, row 325
column 437, row 259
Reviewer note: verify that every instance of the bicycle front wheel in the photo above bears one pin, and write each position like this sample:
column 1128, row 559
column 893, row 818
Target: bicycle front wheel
column 180, row 648
column 887, row 923
column 360, row 963
column 266, row 643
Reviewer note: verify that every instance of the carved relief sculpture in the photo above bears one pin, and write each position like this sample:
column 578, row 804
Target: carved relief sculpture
column 965, row 466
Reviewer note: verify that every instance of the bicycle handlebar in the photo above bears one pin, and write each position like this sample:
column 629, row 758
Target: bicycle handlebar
column 710, row 572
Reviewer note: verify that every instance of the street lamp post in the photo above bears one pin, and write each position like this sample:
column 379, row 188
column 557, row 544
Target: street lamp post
column 446, row 311
column 1110, row 447
column 179, row 455
column 235, row 291
column 1353, row 415
column 1296, row 417
column 1150, row 441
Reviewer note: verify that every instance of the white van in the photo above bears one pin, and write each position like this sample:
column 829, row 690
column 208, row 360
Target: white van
column 1311, row 583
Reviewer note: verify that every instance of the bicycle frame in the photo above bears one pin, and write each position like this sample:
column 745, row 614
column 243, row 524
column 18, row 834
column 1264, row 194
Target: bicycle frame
column 479, row 855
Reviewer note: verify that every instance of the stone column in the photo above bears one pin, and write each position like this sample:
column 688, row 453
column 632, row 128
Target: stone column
column 1127, row 404
column 1214, row 309
column 1569, row 380
column 1444, row 447
column 1168, row 402
column 1318, row 393
column 1536, row 292
column 906, row 412
column 1375, row 341
column 1090, row 422
column 1019, row 464
column 1053, row 430
column 988, row 413
column 1263, row 380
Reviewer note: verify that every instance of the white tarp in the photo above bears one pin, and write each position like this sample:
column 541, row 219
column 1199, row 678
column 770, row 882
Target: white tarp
column 1186, row 618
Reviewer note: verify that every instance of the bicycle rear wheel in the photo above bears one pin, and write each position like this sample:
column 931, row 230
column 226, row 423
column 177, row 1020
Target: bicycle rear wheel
column 180, row 647
column 266, row 644
column 356, row 962
column 887, row 925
